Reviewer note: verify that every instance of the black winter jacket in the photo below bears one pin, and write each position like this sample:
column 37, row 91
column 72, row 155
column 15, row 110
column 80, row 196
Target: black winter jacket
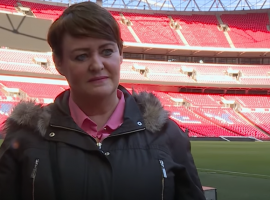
column 46, row 156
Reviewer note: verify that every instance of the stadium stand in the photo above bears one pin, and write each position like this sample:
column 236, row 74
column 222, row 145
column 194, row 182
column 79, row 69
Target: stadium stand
column 205, row 115
column 36, row 90
column 199, row 99
column 260, row 119
column 23, row 67
column 8, row 5
column 201, row 30
column 24, row 61
column 153, row 28
column 248, row 30
column 227, row 118
column 125, row 33
column 188, row 119
column 43, row 10
column 251, row 101
column 16, row 56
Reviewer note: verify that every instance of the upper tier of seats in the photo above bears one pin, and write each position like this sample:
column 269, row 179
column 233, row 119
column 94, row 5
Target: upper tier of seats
column 8, row 5
column 153, row 28
column 249, row 30
column 201, row 30
column 245, row 30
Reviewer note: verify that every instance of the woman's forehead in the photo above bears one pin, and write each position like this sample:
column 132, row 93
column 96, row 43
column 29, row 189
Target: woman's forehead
column 72, row 43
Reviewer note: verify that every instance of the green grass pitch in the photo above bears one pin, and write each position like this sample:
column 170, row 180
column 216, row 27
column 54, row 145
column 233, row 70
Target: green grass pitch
column 239, row 170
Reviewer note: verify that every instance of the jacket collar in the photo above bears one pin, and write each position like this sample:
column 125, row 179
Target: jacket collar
column 142, row 110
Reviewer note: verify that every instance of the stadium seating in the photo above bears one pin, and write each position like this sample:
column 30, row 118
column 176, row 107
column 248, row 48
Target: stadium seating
column 253, row 70
column 250, row 101
column 8, row 5
column 44, row 11
column 153, row 28
column 260, row 119
column 227, row 118
column 205, row 114
column 201, row 30
column 204, row 117
column 37, row 90
column 255, row 81
column 199, row 99
column 188, row 119
column 125, row 33
column 22, row 56
column 13, row 60
column 248, row 30
column 22, row 67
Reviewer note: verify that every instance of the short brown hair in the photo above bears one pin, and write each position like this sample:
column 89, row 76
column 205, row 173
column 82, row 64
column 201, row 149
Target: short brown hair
column 86, row 19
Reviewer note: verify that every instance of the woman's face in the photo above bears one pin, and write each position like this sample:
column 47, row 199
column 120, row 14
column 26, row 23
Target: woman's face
column 91, row 66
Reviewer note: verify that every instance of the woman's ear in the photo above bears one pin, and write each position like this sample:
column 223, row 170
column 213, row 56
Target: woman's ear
column 58, row 64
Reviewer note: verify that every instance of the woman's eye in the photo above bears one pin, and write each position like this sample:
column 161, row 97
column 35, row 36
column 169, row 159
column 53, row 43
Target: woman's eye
column 107, row 52
column 81, row 57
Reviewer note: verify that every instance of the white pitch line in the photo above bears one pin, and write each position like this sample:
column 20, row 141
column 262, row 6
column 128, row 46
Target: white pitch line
column 231, row 172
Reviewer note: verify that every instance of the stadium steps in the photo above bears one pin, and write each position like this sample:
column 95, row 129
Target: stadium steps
column 131, row 30
column 251, row 123
column 198, row 114
column 226, row 34
column 180, row 33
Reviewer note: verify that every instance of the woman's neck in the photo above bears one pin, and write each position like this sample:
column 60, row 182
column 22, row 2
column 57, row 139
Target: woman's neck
column 98, row 110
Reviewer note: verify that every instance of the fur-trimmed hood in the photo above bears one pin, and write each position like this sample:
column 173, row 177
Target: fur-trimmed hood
column 36, row 116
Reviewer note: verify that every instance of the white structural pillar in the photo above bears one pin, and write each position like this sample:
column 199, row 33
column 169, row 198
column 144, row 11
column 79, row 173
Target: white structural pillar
column 226, row 34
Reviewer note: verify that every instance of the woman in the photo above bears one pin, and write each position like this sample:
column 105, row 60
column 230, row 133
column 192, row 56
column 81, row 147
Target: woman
column 96, row 141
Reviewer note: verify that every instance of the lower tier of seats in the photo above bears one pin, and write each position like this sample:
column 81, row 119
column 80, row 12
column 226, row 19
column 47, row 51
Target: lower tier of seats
column 205, row 115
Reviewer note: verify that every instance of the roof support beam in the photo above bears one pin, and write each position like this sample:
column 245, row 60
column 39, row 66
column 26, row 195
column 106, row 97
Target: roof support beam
column 113, row 3
column 222, row 5
column 248, row 4
column 212, row 5
column 162, row 4
column 125, row 6
column 197, row 5
column 172, row 5
column 148, row 5
column 138, row 3
column 237, row 4
column 187, row 5
column 263, row 4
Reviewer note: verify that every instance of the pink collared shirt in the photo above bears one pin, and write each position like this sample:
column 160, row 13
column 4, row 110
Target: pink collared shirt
column 90, row 127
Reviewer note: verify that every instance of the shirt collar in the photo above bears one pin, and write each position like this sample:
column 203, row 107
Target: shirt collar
column 114, row 121
column 116, row 118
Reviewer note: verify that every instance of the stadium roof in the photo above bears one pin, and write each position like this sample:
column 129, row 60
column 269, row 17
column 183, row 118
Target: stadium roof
column 181, row 5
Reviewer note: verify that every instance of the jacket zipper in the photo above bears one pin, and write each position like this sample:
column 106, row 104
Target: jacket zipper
column 98, row 142
column 33, row 176
column 125, row 133
column 164, row 175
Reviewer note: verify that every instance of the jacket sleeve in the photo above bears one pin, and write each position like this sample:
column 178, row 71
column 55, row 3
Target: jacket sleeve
column 9, row 171
column 187, row 182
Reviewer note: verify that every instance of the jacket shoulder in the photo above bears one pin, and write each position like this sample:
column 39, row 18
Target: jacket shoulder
column 175, row 133
column 30, row 115
column 154, row 115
